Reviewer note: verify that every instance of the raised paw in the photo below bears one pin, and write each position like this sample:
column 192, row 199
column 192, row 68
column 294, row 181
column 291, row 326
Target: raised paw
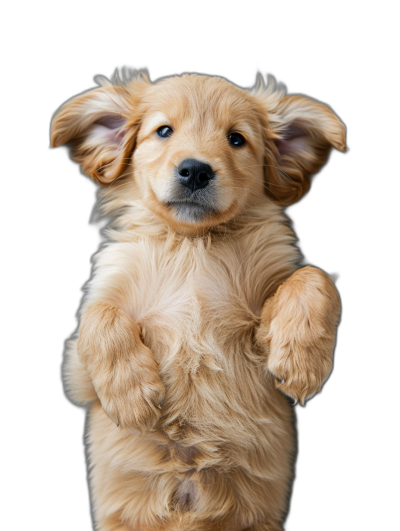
column 296, row 372
column 133, row 395
column 298, row 330
column 123, row 370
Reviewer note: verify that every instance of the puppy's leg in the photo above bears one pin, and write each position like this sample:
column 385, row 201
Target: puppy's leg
column 298, row 326
column 123, row 370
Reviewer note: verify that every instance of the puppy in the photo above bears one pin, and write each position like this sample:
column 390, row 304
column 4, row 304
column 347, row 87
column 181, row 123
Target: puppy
column 198, row 322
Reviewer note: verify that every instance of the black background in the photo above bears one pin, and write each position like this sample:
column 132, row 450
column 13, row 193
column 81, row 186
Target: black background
column 338, row 483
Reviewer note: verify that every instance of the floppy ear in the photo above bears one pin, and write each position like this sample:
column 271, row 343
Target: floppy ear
column 100, row 126
column 300, row 134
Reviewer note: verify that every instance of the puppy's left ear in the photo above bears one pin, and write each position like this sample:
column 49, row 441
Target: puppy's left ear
column 100, row 126
column 300, row 134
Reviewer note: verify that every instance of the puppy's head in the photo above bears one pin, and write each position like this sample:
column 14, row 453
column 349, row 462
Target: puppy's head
column 198, row 150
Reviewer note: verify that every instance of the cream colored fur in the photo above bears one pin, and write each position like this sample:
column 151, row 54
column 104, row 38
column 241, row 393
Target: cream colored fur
column 190, row 331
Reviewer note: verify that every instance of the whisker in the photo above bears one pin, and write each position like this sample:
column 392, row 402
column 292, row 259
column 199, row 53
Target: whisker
column 271, row 184
column 263, row 196
column 264, row 166
column 277, row 198
column 258, row 194
column 264, row 184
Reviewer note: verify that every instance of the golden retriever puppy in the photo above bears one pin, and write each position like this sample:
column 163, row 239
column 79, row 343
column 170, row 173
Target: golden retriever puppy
column 198, row 319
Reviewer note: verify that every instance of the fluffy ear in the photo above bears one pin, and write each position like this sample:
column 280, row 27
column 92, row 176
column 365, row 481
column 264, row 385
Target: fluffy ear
column 100, row 126
column 300, row 134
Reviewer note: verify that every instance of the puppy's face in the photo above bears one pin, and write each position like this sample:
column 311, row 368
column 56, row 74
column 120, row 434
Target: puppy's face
column 198, row 150
column 199, row 157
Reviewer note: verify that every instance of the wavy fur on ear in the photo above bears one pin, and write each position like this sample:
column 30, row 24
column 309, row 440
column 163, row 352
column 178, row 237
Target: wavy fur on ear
column 300, row 133
column 100, row 126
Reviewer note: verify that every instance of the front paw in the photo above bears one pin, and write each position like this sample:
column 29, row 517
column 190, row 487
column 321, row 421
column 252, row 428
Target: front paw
column 123, row 370
column 298, row 332
column 133, row 394
column 299, row 370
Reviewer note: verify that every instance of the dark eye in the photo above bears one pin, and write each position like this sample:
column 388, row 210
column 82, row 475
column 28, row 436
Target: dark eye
column 164, row 131
column 236, row 139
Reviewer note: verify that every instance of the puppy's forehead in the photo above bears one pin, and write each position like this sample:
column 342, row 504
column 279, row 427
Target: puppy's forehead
column 194, row 97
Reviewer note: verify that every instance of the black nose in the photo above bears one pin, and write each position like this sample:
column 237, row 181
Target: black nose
column 194, row 174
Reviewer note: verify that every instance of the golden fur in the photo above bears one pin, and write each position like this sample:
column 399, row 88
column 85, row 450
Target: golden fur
column 194, row 322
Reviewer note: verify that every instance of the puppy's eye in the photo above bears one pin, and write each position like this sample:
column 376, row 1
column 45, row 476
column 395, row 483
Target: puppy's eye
column 164, row 131
column 236, row 139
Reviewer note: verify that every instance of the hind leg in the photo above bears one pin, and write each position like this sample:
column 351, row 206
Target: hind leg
column 115, row 523
column 130, row 486
column 135, row 485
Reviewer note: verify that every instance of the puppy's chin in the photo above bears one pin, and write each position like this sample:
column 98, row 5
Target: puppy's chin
column 190, row 212
column 190, row 218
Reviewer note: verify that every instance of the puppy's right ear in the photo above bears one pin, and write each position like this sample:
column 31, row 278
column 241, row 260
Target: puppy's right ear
column 100, row 126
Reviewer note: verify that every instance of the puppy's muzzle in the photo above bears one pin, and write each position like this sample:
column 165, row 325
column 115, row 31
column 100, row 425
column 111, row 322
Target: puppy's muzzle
column 194, row 174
